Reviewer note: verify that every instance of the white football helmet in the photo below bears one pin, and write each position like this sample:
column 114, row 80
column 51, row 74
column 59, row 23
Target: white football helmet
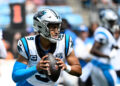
column 42, row 19
column 108, row 19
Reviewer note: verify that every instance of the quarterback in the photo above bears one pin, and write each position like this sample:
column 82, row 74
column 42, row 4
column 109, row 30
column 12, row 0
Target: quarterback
column 28, row 68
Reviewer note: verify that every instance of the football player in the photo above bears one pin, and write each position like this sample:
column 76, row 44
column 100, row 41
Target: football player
column 103, row 73
column 28, row 69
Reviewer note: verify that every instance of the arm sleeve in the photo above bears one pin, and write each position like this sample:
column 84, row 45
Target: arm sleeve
column 21, row 73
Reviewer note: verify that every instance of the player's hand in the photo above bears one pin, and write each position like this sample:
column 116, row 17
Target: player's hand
column 61, row 64
column 43, row 64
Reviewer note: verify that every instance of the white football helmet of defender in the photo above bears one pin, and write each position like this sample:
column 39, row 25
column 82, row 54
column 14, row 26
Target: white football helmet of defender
column 42, row 19
column 108, row 18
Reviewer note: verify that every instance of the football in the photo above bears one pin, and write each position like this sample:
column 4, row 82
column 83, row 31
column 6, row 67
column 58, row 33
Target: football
column 54, row 72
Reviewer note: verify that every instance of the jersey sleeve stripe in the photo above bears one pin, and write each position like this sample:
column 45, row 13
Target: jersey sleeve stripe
column 67, row 38
column 25, row 44
column 102, row 34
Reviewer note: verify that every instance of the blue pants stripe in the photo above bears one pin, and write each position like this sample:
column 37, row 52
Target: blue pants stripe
column 105, row 68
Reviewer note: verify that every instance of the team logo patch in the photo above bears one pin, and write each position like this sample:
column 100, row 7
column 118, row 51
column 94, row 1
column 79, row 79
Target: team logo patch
column 33, row 58
column 59, row 55
column 30, row 38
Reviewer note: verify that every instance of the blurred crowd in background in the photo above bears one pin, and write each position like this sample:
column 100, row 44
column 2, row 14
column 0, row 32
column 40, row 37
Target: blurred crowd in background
column 16, row 19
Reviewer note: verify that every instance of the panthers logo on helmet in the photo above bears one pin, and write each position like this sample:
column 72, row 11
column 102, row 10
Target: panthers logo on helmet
column 41, row 13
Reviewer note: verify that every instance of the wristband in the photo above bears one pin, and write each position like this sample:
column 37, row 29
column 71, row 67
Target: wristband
column 68, row 69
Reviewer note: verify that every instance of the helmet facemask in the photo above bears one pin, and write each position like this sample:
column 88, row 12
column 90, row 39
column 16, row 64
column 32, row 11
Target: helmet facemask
column 115, row 28
column 111, row 24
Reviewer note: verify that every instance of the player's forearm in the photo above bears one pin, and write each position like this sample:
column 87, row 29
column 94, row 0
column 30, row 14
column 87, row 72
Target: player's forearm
column 96, row 52
column 21, row 73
